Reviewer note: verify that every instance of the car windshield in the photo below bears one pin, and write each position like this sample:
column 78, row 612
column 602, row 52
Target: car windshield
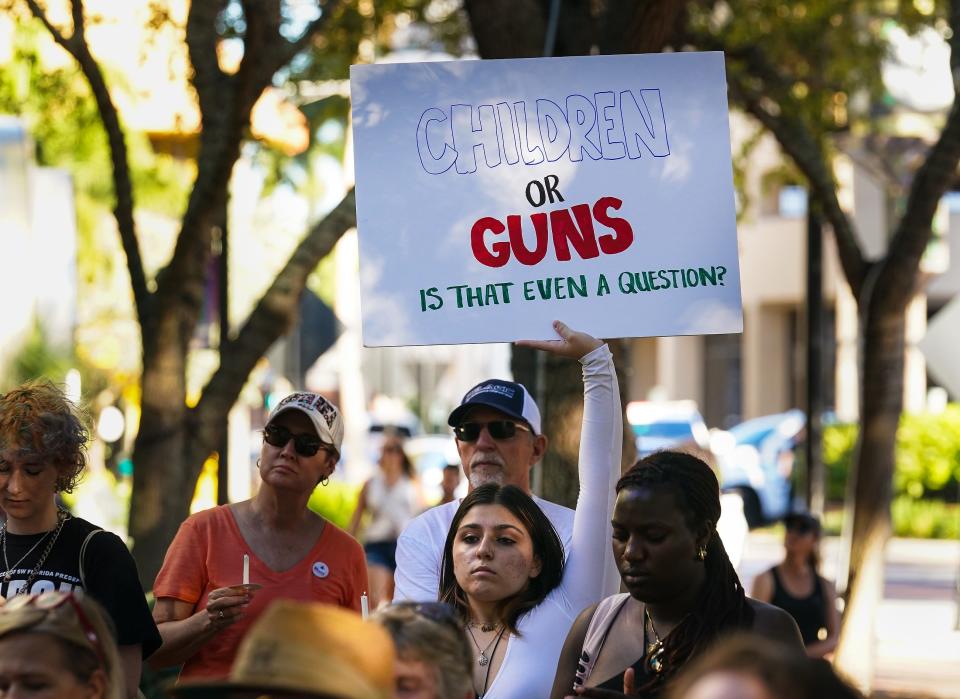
column 755, row 432
column 673, row 430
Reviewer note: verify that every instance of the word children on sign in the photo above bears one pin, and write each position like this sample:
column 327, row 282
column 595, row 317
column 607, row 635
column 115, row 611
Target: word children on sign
column 496, row 196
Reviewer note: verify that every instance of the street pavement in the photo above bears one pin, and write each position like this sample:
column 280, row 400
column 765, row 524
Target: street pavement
column 917, row 637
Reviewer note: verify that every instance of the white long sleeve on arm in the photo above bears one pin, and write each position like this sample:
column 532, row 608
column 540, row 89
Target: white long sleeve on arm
column 528, row 667
column 591, row 572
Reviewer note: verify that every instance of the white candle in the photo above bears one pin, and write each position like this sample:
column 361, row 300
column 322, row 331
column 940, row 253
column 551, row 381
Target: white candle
column 364, row 606
column 246, row 569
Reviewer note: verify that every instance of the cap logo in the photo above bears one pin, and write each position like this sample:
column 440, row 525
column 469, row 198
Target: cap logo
column 312, row 402
column 506, row 391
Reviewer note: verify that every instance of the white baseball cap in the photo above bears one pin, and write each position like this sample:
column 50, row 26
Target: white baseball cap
column 324, row 415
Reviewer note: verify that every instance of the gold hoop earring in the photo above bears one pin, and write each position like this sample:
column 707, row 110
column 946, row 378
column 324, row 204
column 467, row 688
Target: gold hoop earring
column 325, row 481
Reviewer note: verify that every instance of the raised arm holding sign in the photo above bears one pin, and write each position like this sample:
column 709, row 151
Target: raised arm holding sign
column 499, row 437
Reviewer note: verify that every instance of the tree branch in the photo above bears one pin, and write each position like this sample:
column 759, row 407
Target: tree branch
column 201, row 37
column 507, row 28
column 796, row 140
column 272, row 317
column 77, row 47
column 327, row 9
column 226, row 102
column 652, row 26
column 897, row 283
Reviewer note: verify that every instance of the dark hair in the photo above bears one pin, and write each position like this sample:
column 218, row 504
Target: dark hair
column 806, row 523
column 722, row 605
column 37, row 418
column 785, row 675
column 392, row 435
column 546, row 547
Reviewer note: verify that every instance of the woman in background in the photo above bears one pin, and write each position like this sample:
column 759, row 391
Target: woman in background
column 796, row 586
column 391, row 498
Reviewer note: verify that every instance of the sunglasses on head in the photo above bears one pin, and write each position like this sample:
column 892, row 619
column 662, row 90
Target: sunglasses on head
column 498, row 429
column 48, row 602
column 439, row 612
column 303, row 444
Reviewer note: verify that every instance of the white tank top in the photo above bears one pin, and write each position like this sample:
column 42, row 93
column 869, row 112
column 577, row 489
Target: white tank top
column 391, row 507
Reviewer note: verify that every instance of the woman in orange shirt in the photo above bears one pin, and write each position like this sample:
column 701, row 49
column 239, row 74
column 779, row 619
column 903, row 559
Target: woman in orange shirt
column 203, row 607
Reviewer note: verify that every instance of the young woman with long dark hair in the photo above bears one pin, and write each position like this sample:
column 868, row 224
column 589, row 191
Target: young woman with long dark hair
column 503, row 572
column 683, row 592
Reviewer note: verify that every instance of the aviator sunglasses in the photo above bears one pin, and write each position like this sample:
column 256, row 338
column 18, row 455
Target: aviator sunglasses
column 303, row 444
column 498, row 429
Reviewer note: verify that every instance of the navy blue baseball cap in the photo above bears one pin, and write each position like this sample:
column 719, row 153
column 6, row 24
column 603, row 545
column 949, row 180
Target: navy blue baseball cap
column 508, row 397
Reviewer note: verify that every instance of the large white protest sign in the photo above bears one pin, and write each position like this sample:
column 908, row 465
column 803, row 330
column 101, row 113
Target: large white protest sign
column 496, row 196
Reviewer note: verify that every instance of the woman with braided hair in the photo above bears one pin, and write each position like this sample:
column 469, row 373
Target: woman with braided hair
column 683, row 592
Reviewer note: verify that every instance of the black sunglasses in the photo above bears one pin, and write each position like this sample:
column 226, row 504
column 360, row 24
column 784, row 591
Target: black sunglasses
column 498, row 429
column 303, row 444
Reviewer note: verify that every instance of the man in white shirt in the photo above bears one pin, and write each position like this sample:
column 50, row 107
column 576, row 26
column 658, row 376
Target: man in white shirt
column 498, row 434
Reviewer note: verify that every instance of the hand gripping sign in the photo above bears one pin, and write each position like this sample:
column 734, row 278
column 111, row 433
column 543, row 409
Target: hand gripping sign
column 495, row 196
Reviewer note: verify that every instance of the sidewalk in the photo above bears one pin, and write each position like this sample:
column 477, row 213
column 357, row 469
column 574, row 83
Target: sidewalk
column 917, row 644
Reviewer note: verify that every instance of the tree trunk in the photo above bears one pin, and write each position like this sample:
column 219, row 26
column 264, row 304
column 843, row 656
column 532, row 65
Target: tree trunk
column 160, row 475
column 871, row 489
column 557, row 386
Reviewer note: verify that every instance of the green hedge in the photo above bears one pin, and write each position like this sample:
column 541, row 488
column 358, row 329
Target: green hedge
column 928, row 455
column 335, row 502
column 912, row 518
column 925, row 519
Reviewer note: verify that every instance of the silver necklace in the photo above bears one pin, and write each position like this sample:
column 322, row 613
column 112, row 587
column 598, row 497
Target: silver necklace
column 6, row 564
column 482, row 659
column 62, row 516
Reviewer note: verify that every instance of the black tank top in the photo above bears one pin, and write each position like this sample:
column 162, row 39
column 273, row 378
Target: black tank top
column 615, row 683
column 809, row 612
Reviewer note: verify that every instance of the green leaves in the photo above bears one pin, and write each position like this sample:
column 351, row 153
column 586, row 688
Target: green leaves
column 927, row 454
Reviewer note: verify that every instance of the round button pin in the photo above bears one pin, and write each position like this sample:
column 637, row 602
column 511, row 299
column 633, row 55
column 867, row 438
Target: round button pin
column 321, row 569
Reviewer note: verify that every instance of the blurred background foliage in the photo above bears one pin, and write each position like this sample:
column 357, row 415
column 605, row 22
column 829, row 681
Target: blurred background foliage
column 928, row 455
column 927, row 478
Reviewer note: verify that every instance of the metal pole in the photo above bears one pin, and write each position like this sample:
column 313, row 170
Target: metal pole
column 956, row 596
column 540, row 395
column 550, row 40
column 814, row 443
column 223, row 299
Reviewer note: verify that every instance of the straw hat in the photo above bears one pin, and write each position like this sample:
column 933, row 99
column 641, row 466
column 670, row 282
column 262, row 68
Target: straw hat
column 310, row 650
